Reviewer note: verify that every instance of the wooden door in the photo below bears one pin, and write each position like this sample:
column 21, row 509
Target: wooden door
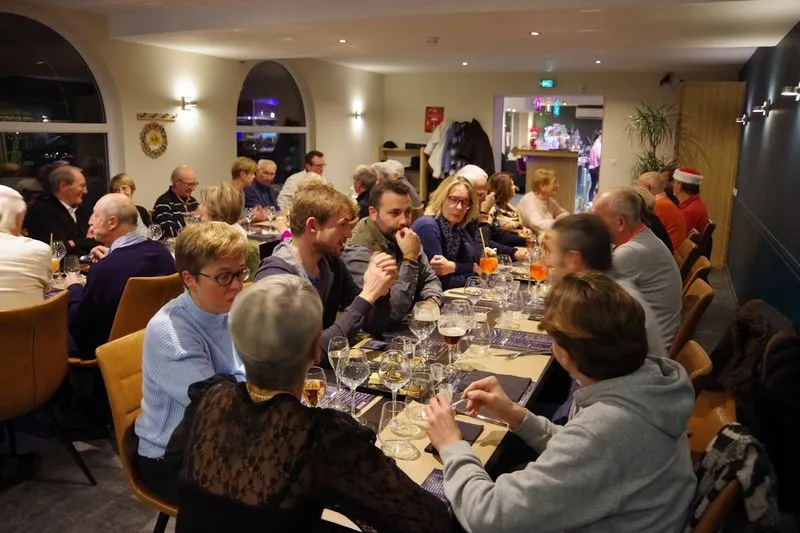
column 709, row 111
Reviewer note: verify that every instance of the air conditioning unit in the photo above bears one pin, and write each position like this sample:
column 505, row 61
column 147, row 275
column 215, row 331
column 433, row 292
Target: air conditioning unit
column 589, row 113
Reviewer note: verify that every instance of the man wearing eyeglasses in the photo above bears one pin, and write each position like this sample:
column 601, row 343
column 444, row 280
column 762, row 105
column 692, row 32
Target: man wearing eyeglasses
column 172, row 207
column 260, row 193
column 315, row 163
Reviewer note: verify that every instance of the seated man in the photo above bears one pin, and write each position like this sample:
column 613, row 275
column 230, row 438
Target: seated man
column 364, row 179
column 387, row 230
column 393, row 170
column 687, row 191
column 188, row 341
column 641, row 258
column 314, row 164
column 260, row 193
column 24, row 263
column 321, row 222
column 621, row 462
column 128, row 254
column 61, row 216
column 668, row 213
column 172, row 207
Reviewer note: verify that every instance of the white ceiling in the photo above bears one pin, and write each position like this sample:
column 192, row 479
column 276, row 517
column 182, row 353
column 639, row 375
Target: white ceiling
column 383, row 36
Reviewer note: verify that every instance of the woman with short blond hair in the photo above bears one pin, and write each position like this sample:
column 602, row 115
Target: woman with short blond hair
column 538, row 208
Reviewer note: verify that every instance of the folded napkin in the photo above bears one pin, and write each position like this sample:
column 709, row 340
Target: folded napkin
column 469, row 433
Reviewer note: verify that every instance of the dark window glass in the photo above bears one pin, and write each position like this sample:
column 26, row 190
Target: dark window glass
column 42, row 78
column 270, row 98
column 287, row 150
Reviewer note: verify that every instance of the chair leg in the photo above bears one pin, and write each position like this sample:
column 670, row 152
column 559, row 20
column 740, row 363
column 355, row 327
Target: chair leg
column 69, row 446
column 161, row 523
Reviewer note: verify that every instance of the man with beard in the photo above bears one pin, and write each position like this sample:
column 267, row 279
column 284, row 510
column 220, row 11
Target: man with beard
column 321, row 222
column 386, row 230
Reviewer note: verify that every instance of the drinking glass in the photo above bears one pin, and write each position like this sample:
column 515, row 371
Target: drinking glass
column 271, row 213
column 72, row 264
column 453, row 325
column 504, row 263
column 481, row 339
column 191, row 218
column 314, row 386
column 419, row 391
column 422, row 324
column 392, row 444
column 249, row 214
column 59, row 251
column 353, row 371
column 337, row 348
column 473, row 289
column 436, row 373
column 394, row 371
column 154, row 232
column 488, row 264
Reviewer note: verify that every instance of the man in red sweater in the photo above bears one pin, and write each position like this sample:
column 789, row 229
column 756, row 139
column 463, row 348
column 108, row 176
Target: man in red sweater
column 668, row 213
column 687, row 190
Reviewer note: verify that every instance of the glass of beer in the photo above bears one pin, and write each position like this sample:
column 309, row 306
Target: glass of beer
column 314, row 386
column 453, row 325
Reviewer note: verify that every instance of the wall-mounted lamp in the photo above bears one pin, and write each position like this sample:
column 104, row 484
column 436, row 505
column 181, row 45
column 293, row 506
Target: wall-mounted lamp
column 357, row 114
column 763, row 108
column 187, row 103
column 792, row 91
column 743, row 120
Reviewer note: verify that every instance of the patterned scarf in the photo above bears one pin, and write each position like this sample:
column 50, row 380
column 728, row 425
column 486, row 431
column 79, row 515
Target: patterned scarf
column 451, row 238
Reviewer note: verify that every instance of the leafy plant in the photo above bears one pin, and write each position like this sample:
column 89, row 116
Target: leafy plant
column 653, row 127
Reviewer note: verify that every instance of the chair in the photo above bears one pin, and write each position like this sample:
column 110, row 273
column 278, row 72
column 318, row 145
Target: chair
column 685, row 256
column 695, row 302
column 694, row 359
column 699, row 270
column 35, row 364
column 121, row 365
column 704, row 241
column 707, row 429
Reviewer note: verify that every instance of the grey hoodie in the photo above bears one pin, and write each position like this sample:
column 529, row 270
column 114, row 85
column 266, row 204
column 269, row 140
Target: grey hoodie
column 621, row 463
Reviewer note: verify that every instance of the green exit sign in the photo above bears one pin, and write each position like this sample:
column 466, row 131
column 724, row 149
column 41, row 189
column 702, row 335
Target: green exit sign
column 547, row 84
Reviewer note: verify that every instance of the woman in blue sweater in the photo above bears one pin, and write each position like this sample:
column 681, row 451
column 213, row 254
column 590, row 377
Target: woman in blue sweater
column 188, row 341
column 453, row 253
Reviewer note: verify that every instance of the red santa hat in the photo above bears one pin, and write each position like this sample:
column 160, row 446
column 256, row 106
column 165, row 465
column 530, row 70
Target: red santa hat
column 688, row 175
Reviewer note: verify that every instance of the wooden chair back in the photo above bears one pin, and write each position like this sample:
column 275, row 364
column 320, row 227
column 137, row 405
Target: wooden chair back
column 121, row 365
column 141, row 300
column 685, row 255
column 34, row 355
column 695, row 302
column 694, row 359
column 706, row 430
column 699, row 270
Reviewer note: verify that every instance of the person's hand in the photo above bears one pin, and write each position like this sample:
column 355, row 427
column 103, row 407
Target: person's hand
column 442, row 266
column 488, row 203
column 98, row 252
column 487, row 393
column 440, row 421
column 379, row 277
column 409, row 243
column 545, row 240
column 520, row 253
column 73, row 278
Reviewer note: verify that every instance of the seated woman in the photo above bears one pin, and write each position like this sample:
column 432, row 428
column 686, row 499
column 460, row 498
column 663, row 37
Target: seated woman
column 449, row 246
column 188, row 341
column 124, row 184
column 253, row 455
column 650, row 218
column 223, row 203
column 505, row 215
column 538, row 208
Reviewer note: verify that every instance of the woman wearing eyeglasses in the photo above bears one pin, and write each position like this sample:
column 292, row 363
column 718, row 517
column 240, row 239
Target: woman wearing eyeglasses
column 450, row 248
column 188, row 341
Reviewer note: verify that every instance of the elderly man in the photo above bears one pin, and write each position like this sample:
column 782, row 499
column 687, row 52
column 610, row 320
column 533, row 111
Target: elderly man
column 24, row 262
column 391, row 169
column 387, row 229
column 314, row 163
column 61, row 216
column 364, row 179
column 92, row 308
column 667, row 212
column 687, row 191
column 260, row 193
column 641, row 258
column 172, row 207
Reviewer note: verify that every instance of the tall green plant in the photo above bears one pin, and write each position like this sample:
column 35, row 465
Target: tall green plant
column 652, row 126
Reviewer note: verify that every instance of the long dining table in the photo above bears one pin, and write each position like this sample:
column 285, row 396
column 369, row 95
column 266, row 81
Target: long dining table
column 491, row 442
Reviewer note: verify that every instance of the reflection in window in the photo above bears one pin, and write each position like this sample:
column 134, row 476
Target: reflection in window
column 285, row 149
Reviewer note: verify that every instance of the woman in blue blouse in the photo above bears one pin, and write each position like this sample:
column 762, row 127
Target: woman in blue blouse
column 452, row 251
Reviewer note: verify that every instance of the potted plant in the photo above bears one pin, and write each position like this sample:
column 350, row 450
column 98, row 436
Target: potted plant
column 653, row 127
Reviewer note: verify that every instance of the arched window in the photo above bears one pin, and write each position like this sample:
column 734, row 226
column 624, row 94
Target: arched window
column 271, row 119
column 50, row 108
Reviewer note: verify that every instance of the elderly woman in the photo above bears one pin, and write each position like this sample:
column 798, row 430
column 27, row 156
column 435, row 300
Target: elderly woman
column 224, row 203
column 453, row 254
column 188, row 341
column 505, row 215
column 124, row 184
column 252, row 454
column 538, row 208
column 24, row 263
column 391, row 169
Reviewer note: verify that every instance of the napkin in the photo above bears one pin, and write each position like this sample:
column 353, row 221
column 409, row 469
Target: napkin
column 469, row 433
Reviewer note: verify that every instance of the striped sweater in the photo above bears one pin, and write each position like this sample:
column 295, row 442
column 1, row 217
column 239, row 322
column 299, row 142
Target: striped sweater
column 170, row 210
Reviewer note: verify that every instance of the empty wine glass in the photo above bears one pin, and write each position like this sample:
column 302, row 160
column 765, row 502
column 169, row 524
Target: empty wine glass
column 314, row 386
column 480, row 341
column 59, row 251
column 392, row 444
column 422, row 324
column 504, row 263
column 271, row 213
column 394, row 371
column 249, row 215
column 72, row 264
column 337, row 348
column 473, row 289
column 353, row 371
column 154, row 232
column 419, row 391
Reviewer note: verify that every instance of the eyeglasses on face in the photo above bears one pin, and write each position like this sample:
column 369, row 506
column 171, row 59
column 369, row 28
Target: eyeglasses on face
column 189, row 184
column 455, row 201
column 318, row 165
column 226, row 278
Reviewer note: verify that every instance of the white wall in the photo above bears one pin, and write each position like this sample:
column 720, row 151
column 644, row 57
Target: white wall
column 466, row 96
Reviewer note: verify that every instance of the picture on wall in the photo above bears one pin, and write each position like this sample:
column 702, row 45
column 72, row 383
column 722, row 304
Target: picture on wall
column 433, row 117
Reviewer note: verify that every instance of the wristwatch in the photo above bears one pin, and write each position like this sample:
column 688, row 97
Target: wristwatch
column 413, row 262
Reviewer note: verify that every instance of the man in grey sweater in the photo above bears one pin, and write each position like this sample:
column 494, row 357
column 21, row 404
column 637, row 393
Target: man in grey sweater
column 641, row 258
column 386, row 229
column 620, row 464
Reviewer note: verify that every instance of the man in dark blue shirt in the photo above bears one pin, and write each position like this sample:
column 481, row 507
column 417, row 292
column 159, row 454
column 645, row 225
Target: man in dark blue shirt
column 260, row 192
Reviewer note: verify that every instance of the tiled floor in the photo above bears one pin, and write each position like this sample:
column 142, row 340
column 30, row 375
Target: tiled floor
column 60, row 500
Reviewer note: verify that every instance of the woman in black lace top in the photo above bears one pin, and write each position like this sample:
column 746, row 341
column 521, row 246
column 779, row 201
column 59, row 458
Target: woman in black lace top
column 255, row 459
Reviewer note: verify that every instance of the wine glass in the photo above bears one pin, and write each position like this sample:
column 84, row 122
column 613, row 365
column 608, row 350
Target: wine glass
column 271, row 213
column 314, row 386
column 473, row 289
column 394, row 371
column 436, row 373
column 453, row 325
column 72, row 264
column 337, row 348
column 504, row 263
column 391, row 443
column 481, row 338
column 249, row 215
column 353, row 371
column 419, row 391
column 422, row 324
column 154, row 232
column 539, row 270
column 59, row 251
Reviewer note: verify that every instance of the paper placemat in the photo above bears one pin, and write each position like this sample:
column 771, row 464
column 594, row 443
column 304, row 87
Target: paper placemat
column 535, row 342
column 434, row 484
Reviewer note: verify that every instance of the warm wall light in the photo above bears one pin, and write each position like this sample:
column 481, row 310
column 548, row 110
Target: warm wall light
column 743, row 120
column 763, row 108
column 187, row 103
column 357, row 115
column 792, row 91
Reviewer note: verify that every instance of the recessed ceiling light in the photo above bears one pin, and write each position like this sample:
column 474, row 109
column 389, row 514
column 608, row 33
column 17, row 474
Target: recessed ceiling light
column 535, row 33
column 342, row 41
column 464, row 63
column 598, row 62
